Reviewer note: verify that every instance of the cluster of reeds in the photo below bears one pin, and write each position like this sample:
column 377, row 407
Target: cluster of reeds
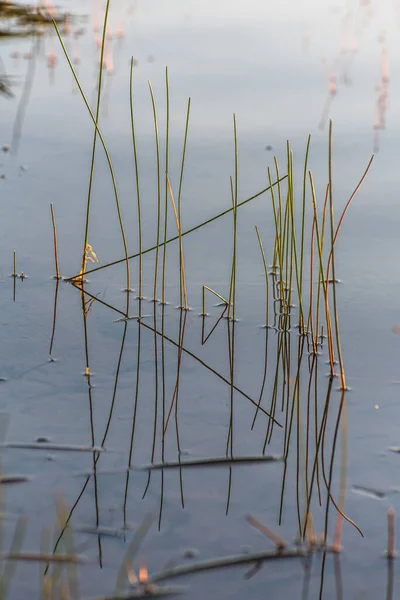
column 312, row 290
column 301, row 291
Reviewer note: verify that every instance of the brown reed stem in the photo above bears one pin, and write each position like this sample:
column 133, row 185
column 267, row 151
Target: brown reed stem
column 181, row 259
column 391, row 553
column 55, row 241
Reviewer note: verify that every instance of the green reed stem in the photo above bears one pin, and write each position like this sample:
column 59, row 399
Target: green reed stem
column 293, row 236
column 303, row 211
column 97, row 129
column 310, row 312
column 157, row 246
column 182, row 280
column 100, row 79
column 331, row 262
column 180, row 189
column 332, row 253
column 266, row 276
column 321, row 270
column 139, row 208
column 174, row 238
column 164, row 265
column 278, row 236
column 321, row 280
column 234, row 195
column 205, row 287
column 53, row 220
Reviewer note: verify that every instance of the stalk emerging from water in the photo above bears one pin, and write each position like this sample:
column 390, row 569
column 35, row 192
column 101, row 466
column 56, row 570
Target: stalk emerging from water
column 182, row 281
column 139, row 211
column 164, row 265
column 55, row 241
column 157, row 246
column 179, row 199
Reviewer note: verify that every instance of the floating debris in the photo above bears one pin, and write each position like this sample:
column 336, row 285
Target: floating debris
column 228, row 561
column 279, row 542
column 42, row 557
column 102, row 531
column 49, row 446
column 369, row 491
column 212, row 462
column 9, row 479
column 191, row 553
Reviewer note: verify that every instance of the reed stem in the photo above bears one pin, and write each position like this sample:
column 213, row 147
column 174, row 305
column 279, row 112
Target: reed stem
column 55, row 241
column 180, row 190
column 164, row 265
column 174, row 238
column 157, row 246
column 135, row 157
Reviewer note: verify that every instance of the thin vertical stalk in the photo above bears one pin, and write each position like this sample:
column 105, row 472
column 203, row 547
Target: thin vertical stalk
column 15, row 275
column 231, row 348
column 293, row 237
column 266, row 277
column 180, row 193
column 232, row 298
column 158, row 191
column 331, row 262
column 53, row 331
column 278, row 230
column 303, row 212
column 98, row 132
column 343, row 478
column 263, row 379
column 182, row 281
column 55, row 241
column 332, row 252
column 163, row 410
column 135, row 407
column 182, row 326
column 391, row 552
column 322, row 277
column 314, row 339
column 153, row 447
column 99, row 83
column 139, row 211
column 164, row 265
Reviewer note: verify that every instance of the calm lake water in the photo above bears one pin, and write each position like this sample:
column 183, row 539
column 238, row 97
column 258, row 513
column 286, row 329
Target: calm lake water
column 284, row 70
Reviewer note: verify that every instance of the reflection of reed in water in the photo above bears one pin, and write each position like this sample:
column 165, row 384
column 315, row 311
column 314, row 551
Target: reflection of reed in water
column 382, row 96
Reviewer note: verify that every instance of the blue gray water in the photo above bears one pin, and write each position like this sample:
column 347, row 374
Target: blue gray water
column 265, row 63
